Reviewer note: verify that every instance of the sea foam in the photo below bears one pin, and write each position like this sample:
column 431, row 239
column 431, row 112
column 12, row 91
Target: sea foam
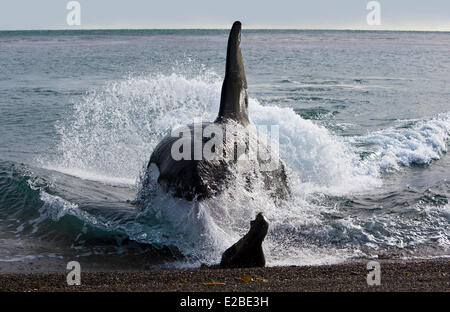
column 113, row 131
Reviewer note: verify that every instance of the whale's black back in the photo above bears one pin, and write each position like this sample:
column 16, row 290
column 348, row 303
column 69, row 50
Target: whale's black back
column 203, row 178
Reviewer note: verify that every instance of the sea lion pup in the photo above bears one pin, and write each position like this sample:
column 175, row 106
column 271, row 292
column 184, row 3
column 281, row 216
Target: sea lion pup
column 248, row 252
column 179, row 163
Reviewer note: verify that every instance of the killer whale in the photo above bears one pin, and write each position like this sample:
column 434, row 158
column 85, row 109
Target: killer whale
column 194, row 177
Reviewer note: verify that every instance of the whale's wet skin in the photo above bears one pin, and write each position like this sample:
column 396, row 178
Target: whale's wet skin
column 364, row 127
column 202, row 159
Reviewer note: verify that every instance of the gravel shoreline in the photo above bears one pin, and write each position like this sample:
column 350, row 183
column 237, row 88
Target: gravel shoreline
column 396, row 275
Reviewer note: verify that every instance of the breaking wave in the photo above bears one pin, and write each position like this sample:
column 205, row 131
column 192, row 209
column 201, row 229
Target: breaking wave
column 112, row 132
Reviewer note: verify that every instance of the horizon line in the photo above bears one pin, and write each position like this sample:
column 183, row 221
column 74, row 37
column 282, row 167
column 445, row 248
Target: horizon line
column 227, row 28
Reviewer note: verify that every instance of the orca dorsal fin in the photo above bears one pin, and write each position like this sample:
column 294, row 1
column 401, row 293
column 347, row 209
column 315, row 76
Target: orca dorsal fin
column 234, row 98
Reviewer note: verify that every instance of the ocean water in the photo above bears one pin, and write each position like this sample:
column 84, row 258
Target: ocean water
column 364, row 121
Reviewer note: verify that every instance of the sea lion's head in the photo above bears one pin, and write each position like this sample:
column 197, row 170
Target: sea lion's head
column 259, row 227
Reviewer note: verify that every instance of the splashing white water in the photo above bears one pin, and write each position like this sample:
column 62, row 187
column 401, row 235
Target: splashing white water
column 113, row 131
column 420, row 143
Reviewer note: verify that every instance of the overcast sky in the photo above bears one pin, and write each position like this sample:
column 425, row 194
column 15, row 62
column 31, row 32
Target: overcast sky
column 300, row 14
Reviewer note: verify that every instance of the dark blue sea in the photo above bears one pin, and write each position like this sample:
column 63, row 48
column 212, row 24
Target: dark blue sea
column 364, row 128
